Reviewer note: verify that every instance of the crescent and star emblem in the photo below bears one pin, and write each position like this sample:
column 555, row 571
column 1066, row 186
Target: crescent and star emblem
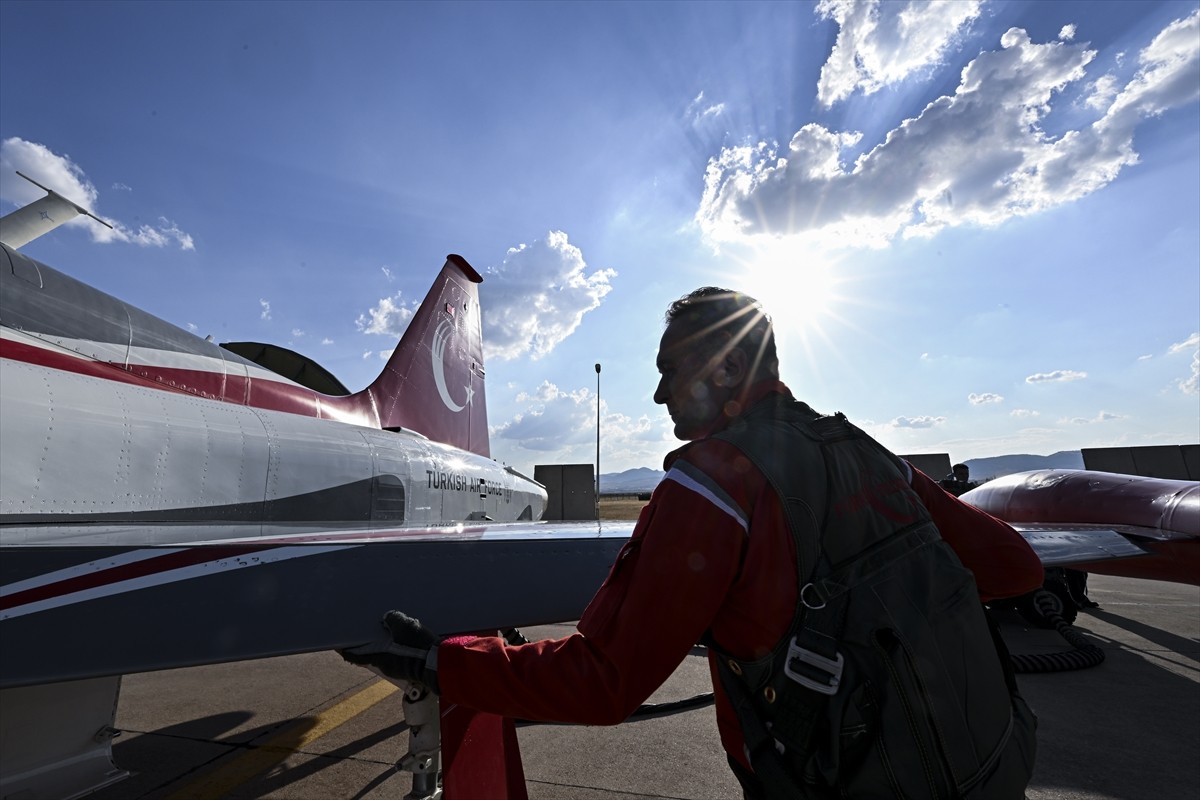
column 441, row 337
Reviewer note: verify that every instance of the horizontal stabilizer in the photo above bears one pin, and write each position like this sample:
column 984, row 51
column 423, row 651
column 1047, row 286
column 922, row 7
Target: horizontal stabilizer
column 40, row 217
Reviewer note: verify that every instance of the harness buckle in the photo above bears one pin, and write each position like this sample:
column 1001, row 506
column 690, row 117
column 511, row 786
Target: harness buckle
column 832, row 668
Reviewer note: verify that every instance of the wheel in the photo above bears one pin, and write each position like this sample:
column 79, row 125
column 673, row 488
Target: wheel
column 1061, row 604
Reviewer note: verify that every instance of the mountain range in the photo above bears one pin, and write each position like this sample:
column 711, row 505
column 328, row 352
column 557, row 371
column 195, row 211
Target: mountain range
column 644, row 479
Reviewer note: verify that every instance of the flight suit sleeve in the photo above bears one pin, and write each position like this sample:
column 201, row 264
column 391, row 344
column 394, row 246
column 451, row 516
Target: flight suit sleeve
column 1003, row 562
column 661, row 594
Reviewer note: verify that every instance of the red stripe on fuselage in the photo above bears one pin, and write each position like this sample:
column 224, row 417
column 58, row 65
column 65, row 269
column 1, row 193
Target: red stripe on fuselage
column 235, row 389
column 125, row 572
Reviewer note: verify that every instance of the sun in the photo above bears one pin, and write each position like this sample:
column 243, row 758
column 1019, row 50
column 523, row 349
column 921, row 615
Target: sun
column 801, row 288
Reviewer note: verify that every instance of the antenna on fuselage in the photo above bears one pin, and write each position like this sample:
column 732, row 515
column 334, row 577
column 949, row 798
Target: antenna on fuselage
column 40, row 217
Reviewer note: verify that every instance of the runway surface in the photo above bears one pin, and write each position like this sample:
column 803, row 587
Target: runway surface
column 313, row 727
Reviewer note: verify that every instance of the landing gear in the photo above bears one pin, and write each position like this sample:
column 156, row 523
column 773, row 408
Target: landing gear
column 424, row 743
column 1060, row 602
column 1068, row 593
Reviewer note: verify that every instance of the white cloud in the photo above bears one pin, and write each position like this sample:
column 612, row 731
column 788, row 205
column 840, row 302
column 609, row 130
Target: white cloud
column 387, row 273
column 1100, row 93
column 977, row 157
column 327, row 340
column 390, row 317
column 984, row 399
column 916, row 422
column 1102, row 416
column 1145, row 357
column 1057, row 376
column 552, row 419
column 297, row 333
column 266, row 308
column 193, row 327
column 1067, row 33
column 1022, row 413
column 538, row 296
column 1190, row 384
column 699, row 110
column 883, row 43
column 62, row 175
column 560, row 426
column 1189, row 343
column 121, row 187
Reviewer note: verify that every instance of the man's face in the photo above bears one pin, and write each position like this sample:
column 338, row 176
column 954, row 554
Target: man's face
column 690, row 387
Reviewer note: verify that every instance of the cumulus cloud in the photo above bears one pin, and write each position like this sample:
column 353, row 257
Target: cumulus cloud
column 1057, row 376
column 297, row 333
column 553, row 418
column 62, row 175
column 1067, row 33
column 538, row 296
column 1191, row 384
column 916, row 422
column 883, row 43
column 977, row 157
column 266, row 308
column 1022, row 413
column 562, row 422
column 984, row 398
column 390, row 316
column 327, row 340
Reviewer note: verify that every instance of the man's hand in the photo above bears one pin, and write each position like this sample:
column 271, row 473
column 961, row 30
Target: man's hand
column 409, row 654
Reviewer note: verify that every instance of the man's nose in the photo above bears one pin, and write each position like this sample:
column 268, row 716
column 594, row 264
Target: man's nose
column 660, row 393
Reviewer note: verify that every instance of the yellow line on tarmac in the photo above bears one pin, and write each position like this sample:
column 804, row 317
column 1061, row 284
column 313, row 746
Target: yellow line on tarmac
column 284, row 743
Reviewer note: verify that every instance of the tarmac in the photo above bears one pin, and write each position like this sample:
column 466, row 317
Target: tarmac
column 312, row 727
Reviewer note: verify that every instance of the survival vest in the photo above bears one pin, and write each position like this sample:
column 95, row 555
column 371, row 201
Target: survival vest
column 887, row 683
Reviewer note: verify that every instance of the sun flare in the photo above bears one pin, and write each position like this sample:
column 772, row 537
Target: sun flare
column 800, row 289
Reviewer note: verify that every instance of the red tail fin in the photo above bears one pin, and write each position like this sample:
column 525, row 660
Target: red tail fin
column 433, row 383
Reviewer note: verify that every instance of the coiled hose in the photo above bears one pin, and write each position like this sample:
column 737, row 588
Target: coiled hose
column 1084, row 655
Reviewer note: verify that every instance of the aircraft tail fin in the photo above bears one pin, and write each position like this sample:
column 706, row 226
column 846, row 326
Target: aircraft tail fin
column 434, row 381
column 39, row 217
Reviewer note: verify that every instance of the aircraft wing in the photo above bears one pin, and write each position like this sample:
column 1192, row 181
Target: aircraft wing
column 1066, row 546
column 72, row 612
column 1102, row 522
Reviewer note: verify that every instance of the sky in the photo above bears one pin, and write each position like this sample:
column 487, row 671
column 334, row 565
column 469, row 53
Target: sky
column 976, row 225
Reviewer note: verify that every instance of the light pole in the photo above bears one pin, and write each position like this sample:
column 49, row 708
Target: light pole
column 597, row 441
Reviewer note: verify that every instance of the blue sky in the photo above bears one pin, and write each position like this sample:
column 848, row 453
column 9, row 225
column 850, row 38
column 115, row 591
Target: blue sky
column 977, row 225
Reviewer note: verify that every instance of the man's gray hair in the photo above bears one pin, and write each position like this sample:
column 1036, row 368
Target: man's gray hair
column 721, row 316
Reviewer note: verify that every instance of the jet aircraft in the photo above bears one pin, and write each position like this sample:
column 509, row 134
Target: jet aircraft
column 1123, row 525
column 167, row 502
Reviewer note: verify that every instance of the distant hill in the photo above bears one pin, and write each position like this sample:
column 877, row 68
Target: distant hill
column 644, row 479
column 983, row 469
column 641, row 479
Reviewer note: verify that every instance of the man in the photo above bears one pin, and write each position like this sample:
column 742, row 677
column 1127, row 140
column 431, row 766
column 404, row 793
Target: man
column 716, row 556
column 958, row 481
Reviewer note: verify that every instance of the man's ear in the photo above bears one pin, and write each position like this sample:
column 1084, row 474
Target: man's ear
column 734, row 368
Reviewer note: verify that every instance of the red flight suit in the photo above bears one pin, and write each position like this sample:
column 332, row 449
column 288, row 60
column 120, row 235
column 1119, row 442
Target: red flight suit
column 712, row 550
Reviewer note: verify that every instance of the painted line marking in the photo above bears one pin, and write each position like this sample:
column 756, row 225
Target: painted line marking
column 276, row 749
